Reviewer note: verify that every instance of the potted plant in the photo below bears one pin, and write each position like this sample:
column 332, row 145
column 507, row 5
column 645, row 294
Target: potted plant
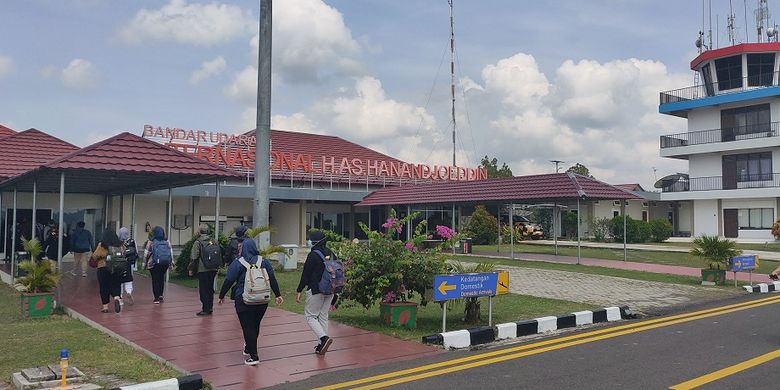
column 37, row 287
column 717, row 253
column 392, row 271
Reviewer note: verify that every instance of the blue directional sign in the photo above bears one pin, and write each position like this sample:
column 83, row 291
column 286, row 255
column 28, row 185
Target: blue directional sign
column 464, row 286
column 744, row 263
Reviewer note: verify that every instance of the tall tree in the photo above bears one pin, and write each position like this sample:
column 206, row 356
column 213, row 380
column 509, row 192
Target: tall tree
column 491, row 166
column 579, row 169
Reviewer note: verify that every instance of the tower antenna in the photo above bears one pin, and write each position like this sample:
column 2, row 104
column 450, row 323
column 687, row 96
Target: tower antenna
column 730, row 25
column 762, row 17
column 452, row 75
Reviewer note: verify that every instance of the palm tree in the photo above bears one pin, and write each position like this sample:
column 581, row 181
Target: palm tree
column 715, row 251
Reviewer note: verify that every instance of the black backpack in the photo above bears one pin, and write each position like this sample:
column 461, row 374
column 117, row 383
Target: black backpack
column 210, row 254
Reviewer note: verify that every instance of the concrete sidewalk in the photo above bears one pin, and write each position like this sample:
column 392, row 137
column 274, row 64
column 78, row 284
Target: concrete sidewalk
column 617, row 264
column 766, row 255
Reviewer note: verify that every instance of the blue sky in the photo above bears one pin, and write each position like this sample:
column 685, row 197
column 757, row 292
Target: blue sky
column 571, row 80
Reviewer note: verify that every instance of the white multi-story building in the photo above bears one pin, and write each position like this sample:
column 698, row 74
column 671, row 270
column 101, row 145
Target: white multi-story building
column 732, row 144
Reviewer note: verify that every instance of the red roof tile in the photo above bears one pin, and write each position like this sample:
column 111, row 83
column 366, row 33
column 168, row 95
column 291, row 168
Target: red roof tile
column 6, row 131
column 535, row 188
column 28, row 150
column 322, row 145
column 130, row 153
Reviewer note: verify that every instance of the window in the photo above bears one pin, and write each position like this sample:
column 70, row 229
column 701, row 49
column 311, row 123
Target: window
column 760, row 69
column 616, row 203
column 644, row 204
column 745, row 120
column 755, row 218
column 753, row 166
column 615, row 213
column 644, row 216
column 729, row 72
column 707, row 75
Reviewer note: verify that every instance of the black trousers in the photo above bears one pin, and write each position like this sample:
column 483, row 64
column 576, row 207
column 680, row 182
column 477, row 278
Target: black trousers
column 109, row 285
column 158, row 280
column 206, row 289
column 250, row 316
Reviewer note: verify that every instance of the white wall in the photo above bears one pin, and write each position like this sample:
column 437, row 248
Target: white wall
column 705, row 214
column 285, row 217
column 705, row 165
column 706, row 118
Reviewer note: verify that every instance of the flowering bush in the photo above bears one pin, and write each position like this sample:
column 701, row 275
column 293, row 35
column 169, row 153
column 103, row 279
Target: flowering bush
column 389, row 269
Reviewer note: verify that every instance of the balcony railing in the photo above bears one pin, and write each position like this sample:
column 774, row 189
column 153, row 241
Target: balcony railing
column 721, row 135
column 713, row 183
column 722, row 87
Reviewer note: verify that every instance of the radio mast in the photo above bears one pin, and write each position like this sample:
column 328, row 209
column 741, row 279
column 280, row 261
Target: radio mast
column 452, row 76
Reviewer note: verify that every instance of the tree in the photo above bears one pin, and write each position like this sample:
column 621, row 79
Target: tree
column 491, row 166
column 579, row 169
column 482, row 226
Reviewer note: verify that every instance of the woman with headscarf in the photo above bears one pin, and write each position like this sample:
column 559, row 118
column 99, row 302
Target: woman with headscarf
column 108, row 281
column 158, row 256
column 249, row 315
column 131, row 253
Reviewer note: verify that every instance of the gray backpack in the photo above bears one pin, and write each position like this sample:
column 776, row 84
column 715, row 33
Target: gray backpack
column 257, row 287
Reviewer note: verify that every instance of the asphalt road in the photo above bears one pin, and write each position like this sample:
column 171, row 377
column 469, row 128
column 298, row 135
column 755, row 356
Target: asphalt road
column 735, row 343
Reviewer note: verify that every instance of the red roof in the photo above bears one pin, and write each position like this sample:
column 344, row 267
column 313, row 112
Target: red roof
column 734, row 50
column 322, row 145
column 6, row 131
column 535, row 188
column 28, row 150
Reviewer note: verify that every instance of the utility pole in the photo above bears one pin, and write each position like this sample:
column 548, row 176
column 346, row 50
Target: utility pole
column 260, row 204
column 557, row 163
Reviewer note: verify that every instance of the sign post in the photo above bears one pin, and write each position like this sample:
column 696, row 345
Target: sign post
column 744, row 263
column 459, row 286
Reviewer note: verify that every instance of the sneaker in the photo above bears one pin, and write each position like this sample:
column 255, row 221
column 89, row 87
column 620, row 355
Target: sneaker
column 317, row 348
column 326, row 342
column 130, row 299
column 117, row 306
column 121, row 302
column 252, row 361
column 156, row 301
column 83, row 274
column 160, row 299
column 243, row 350
column 203, row 313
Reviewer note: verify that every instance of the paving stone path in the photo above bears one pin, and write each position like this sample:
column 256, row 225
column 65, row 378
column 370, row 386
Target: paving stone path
column 641, row 296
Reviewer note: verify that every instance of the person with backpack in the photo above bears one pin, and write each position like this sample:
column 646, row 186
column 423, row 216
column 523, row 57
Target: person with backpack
column 131, row 253
column 107, row 274
column 205, row 259
column 323, row 275
column 158, row 256
column 82, row 243
column 231, row 253
column 254, row 281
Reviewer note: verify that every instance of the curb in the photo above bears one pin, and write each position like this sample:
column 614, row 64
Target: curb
column 487, row 334
column 763, row 287
column 188, row 382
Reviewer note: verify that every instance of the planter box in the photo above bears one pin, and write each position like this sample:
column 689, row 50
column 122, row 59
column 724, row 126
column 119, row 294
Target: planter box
column 37, row 305
column 399, row 314
column 713, row 277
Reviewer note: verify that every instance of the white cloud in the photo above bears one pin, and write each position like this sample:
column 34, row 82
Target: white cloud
column 243, row 88
column 6, row 66
column 194, row 24
column 208, row 69
column 79, row 73
column 311, row 42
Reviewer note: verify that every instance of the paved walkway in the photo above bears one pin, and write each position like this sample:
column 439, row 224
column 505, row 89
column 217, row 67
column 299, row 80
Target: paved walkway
column 767, row 255
column 211, row 346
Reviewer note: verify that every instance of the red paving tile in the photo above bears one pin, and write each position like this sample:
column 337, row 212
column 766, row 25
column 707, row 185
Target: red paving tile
column 212, row 345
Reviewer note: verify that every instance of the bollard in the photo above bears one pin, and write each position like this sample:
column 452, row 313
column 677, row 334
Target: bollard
column 64, row 367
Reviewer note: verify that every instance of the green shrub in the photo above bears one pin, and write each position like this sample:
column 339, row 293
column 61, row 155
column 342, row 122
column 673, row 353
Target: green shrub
column 544, row 218
column 716, row 252
column 637, row 231
column 600, row 228
column 660, row 230
column 482, row 227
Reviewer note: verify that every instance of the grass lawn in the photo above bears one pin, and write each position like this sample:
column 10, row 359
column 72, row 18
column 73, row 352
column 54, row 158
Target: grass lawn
column 656, row 257
column 506, row 308
column 36, row 342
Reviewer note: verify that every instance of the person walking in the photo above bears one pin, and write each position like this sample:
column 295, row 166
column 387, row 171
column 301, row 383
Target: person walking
column 204, row 261
column 232, row 251
column 108, row 278
column 51, row 243
column 82, row 244
column 131, row 253
column 317, row 304
column 158, row 257
column 249, row 316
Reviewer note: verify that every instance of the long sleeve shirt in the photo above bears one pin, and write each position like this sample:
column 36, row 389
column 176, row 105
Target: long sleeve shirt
column 236, row 274
column 313, row 269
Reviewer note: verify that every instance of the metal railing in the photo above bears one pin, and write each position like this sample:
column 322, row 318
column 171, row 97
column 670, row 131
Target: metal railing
column 761, row 130
column 728, row 86
column 712, row 183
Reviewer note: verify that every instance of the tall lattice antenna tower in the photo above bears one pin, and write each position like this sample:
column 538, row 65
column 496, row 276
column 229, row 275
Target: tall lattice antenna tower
column 730, row 25
column 452, row 75
column 762, row 18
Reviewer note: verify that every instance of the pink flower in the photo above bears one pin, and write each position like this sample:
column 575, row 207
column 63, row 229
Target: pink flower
column 389, row 297
column 410, row 246
column 444, row 232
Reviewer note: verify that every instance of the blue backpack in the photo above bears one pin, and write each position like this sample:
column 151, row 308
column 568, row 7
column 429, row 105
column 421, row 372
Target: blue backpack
column 161, row 253
column 332, row 281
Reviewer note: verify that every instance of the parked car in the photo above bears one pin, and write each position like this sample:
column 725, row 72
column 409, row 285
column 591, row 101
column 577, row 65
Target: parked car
column 530, row 229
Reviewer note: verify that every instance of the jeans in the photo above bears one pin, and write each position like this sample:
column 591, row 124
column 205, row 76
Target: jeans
column 250, row 316
column 81, row 260
column 158, row 280
column 206, row 289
